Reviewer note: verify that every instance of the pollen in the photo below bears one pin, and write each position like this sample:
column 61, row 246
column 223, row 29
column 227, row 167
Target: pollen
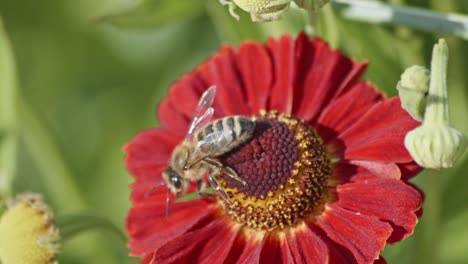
column 286, row 168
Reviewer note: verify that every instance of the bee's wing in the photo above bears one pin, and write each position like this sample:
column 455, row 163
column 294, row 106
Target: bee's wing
column 212, row 144
column 203, row 112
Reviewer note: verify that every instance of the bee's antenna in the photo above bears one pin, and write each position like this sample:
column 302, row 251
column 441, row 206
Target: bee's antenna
column 168, row 200
column 150, row 191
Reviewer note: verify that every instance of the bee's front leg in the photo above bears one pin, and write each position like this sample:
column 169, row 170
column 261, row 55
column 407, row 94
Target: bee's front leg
column 201, row 186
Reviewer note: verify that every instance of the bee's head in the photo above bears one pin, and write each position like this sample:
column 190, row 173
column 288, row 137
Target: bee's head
column 174, row 181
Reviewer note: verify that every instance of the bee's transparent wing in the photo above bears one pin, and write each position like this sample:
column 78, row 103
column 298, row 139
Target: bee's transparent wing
column 213, row 144
column 203, row 112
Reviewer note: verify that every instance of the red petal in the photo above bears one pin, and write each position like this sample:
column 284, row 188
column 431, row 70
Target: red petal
column 148, row 259
column 251, row 249
column 208, row 244
column 286, row 253
column 364, row 236
column 409, row 170
column 342, row 113
column 256, row 71
column 320, row 74
column 380, row 260
column 222, row 70
column 148, row 227
column 381, row 169
column 348, row 172
column 185, row 93
column 388, row 199
column 379, row 134
column 307, row 247
column 148, row 152
column 171, row 119
column 352, row 78
column 282, row 51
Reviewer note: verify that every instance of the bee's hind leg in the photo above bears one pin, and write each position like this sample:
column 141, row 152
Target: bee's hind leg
column 226, row 170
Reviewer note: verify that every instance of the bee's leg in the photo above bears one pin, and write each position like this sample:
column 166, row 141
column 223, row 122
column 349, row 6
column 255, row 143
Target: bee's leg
column 201, row 186
column 226, row 170
column 218, row 188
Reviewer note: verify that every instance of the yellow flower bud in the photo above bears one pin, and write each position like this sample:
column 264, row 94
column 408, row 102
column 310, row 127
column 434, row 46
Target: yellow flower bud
column 412, row 89
column 260, row 10
column 27, row 232
column 435, row 144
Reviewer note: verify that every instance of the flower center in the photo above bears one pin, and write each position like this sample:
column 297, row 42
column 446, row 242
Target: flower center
column 286, row 168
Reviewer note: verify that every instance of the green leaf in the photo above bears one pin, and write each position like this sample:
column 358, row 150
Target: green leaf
column 194, row 195
column 8, row 146
column 142, row 14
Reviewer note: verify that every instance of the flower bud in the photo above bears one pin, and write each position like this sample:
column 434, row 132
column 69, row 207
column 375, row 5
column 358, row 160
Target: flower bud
column 435, row 147
column 260, row 10
column 412, row 88
column 27, row 232
column 435, row 144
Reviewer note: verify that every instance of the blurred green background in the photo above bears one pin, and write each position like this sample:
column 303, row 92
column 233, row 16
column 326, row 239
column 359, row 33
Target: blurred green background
column 90, row 75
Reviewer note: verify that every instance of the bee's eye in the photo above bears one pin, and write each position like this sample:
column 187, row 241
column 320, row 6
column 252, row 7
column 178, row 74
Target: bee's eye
column 176, row 181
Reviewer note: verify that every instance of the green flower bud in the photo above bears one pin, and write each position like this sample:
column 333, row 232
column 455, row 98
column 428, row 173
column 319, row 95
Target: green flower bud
column 412, row 88
column 260, row 10
column 435, row 144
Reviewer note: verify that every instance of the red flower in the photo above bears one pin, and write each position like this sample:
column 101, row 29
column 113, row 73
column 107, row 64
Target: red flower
column 326, row 168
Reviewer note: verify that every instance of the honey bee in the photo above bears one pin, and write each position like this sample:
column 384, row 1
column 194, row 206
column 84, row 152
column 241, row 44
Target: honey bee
column 197, row 154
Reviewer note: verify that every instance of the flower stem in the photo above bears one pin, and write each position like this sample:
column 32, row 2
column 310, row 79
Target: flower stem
column 375, row 12
column 72, row 225
column 8, row 125
column 437, row 104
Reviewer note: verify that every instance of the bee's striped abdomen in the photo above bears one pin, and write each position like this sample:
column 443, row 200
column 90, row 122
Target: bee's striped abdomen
column 227, row 133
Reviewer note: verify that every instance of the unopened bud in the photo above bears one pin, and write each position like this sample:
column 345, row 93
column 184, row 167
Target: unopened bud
column 435, row 144
column 412, row 88
column 260, row 10
column 435, row 147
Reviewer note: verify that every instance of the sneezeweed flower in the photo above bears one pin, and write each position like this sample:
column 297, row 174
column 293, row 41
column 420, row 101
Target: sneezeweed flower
column 27, row 232
column 326, row 168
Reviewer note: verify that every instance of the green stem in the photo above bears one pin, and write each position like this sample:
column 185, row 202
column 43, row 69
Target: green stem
column 375, row 12
column 8, row 112
column 57, row 177
column 73, row 225
column 437, row 105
